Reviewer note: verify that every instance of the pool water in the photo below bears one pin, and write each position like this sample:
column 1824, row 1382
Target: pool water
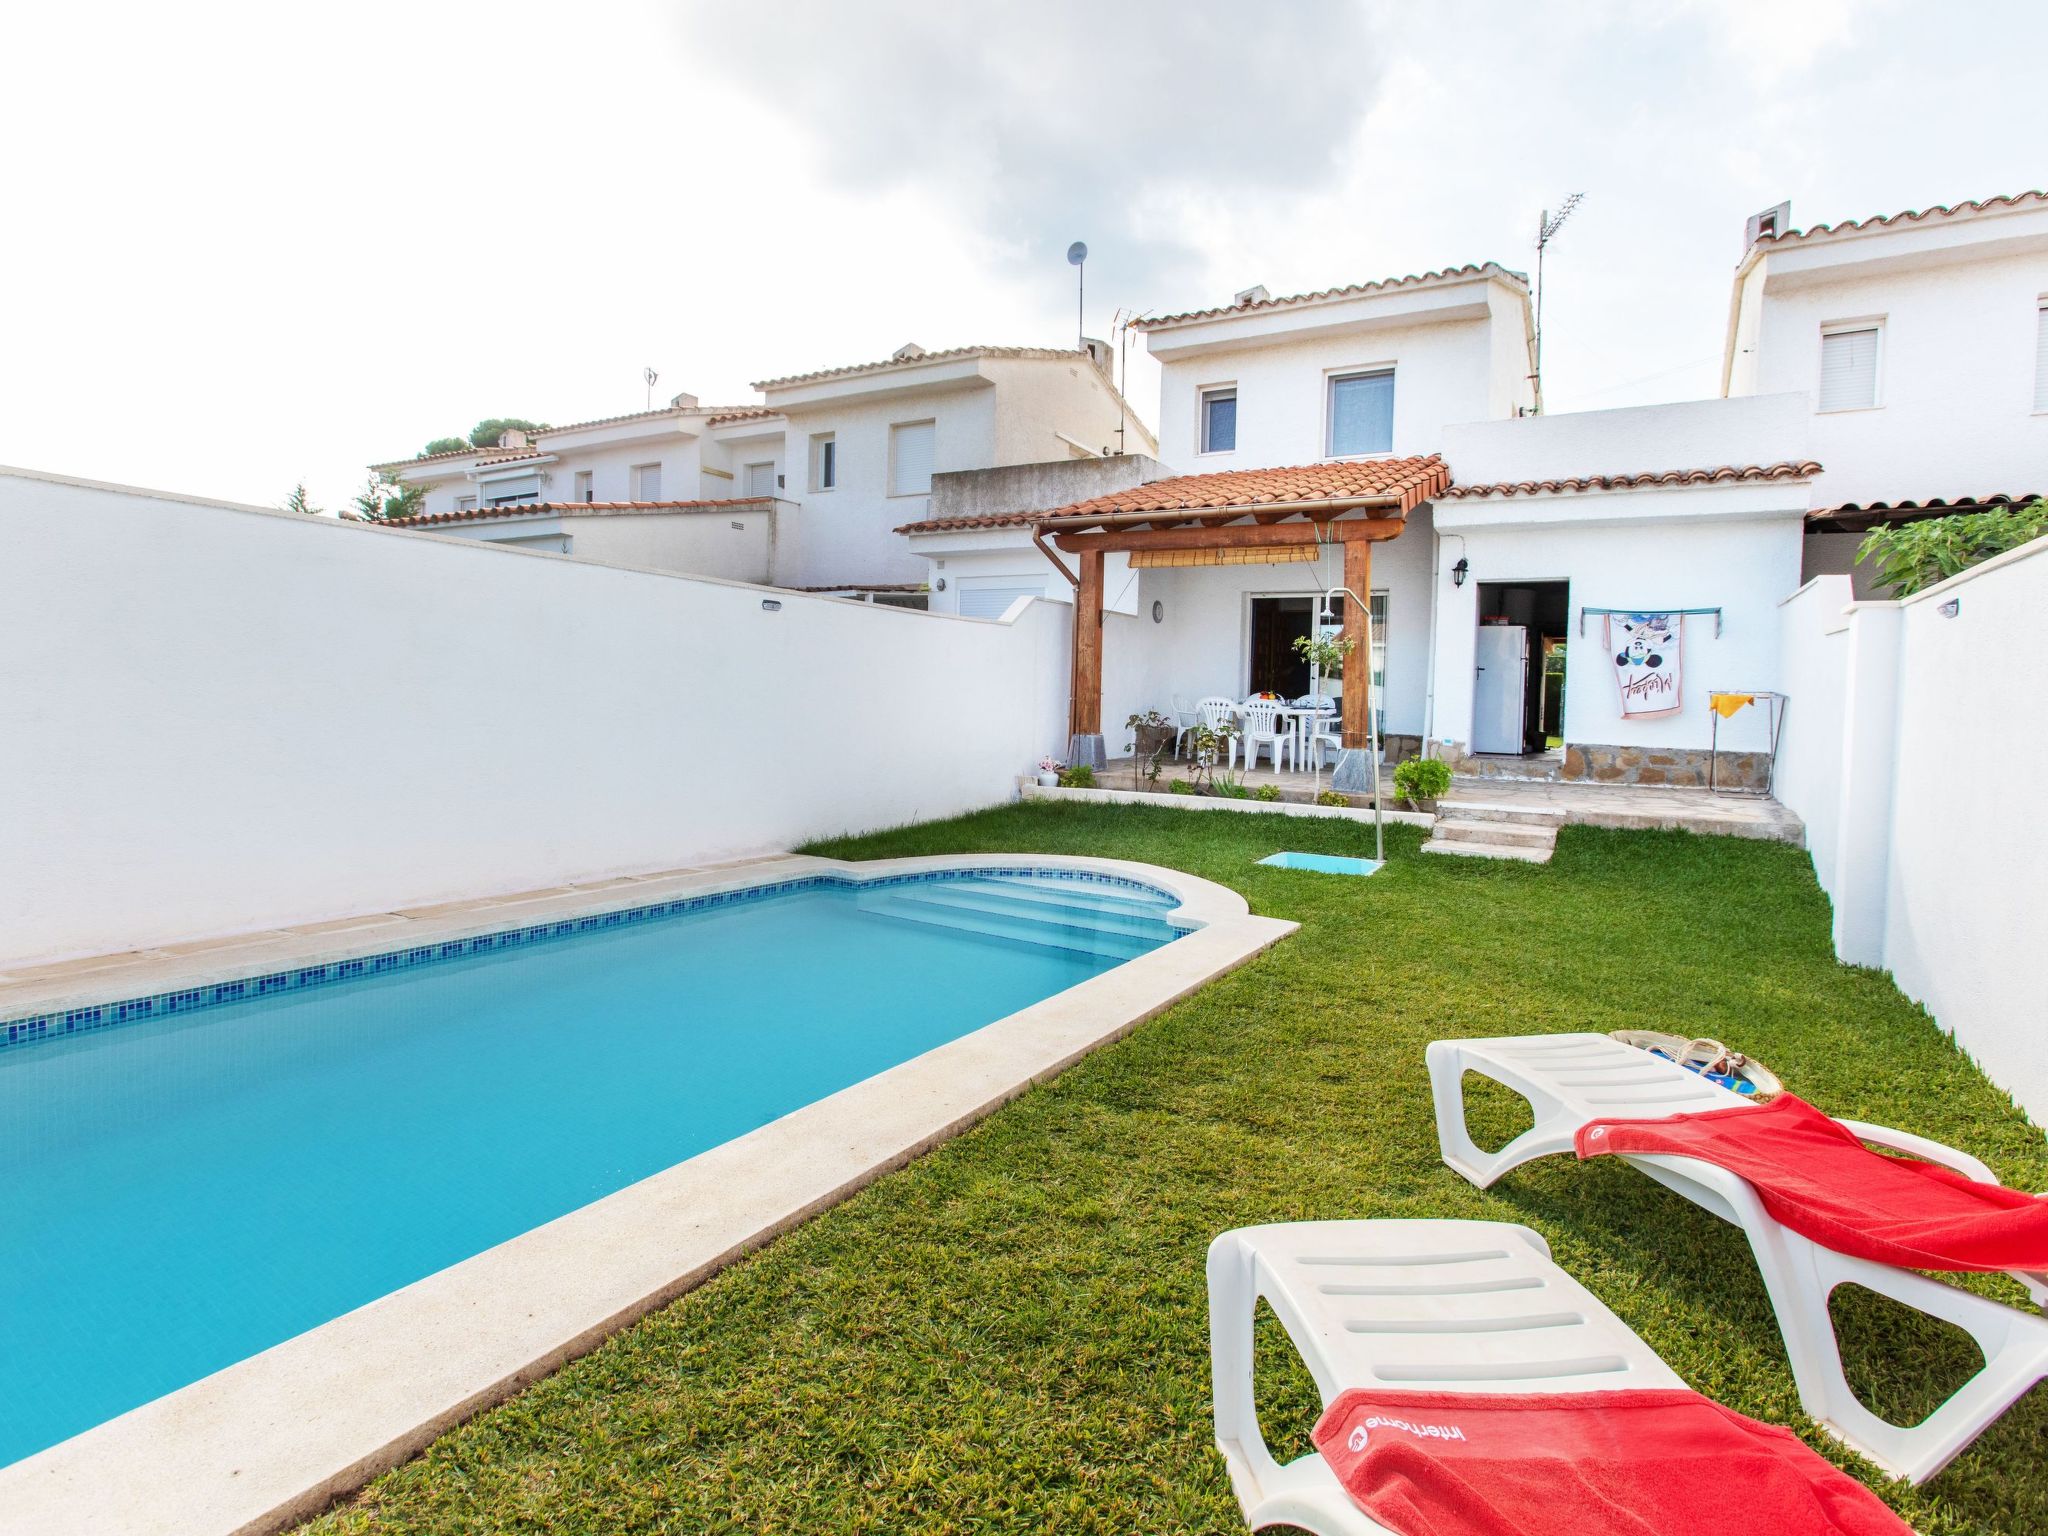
column 184, row 1192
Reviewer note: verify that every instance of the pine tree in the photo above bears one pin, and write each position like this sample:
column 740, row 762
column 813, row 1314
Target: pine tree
column 300, row 502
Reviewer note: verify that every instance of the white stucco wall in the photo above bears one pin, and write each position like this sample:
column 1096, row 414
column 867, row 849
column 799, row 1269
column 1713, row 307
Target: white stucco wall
column 1443, row 372
column 1922, row 810
column 728, row 543
column 238, row 718
column 849, row 531
column 1959, row 302
column 1633, row 550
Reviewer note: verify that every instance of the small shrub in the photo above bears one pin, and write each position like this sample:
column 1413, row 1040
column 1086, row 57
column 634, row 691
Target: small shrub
column 1910, row 557
column 1331, row 797
column 1422, row 778
column 1231, row 787
column 1180, row 787
column 1080, row 776
column 1267, row 792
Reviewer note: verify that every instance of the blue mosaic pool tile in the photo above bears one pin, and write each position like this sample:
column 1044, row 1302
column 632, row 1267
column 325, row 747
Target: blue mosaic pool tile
column 189, row 999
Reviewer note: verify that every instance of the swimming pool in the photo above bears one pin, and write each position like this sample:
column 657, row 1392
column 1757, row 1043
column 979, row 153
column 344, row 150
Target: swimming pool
column 192, row 1184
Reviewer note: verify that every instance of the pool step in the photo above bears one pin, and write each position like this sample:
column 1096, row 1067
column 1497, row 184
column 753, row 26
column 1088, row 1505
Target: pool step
column 1052, row 888
column 1077, row 936
column 974, row 896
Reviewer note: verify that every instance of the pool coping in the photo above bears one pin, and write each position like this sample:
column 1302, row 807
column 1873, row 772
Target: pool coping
column 281, row 1435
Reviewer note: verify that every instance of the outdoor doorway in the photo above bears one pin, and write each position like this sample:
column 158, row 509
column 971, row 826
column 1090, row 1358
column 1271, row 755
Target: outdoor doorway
column 1275, row 665
column 1518, row 678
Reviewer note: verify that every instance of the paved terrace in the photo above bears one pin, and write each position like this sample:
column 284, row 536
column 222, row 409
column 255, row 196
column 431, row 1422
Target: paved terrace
column 1635, row 807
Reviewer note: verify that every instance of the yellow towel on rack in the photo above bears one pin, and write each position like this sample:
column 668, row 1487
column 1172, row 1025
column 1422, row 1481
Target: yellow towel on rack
column 1726, row 704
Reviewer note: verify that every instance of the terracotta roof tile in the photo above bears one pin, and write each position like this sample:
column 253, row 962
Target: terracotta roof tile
column 922, row 358
column 1909, row 216
column 566, row 509
column 739, row 413
column 1410, row 481
column 1720, row 474
column 1346, row 291
column 714, row 414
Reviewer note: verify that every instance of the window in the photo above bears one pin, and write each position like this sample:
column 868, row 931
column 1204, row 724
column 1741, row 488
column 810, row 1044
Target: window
column 465, row 503
column 507, row 493
column 2041, row 357
column 584, row 491
column 910, row 458
column 1361, row 413
column 1219, row 420
column 760, row 479
column 647, row 482
column 824, row 462
column 1848, row 367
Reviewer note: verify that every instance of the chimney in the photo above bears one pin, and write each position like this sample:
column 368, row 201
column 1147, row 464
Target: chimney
column 1098, row 349
column 512, row 437
column 1767, row 225
column 683, row 402
column 910, row 351
column 1256, row 294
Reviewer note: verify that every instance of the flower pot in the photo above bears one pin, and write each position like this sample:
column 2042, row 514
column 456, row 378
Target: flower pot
column 1048, row 781
column 1153, row 738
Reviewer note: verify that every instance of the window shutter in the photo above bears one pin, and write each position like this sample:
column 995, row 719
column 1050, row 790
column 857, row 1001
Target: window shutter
column 760, row 479
column 2041, row 360
column 647, row 482
column 912, row 474
column 1848, row 369
column 993, row 602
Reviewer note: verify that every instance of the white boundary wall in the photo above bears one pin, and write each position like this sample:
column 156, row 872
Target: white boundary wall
column 219, row 718
column 1914, row 749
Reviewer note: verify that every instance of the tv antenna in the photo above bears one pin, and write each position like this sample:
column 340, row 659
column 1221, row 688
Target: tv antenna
column 1077, row 258
column 650, row 376
column 1546, row 231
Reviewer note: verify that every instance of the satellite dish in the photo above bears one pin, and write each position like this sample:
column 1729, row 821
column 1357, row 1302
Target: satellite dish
column 1076, row 254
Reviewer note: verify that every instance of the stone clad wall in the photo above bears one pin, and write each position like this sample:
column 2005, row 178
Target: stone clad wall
column 1673, row 767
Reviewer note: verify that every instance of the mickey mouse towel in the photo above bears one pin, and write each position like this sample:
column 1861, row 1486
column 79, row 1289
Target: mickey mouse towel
column 1646, row 648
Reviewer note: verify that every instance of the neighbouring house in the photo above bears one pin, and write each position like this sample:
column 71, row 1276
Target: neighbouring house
column 1921, row 339
column 803, row 489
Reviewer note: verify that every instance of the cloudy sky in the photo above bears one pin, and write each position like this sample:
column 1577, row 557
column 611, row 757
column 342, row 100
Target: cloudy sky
column 249, row 245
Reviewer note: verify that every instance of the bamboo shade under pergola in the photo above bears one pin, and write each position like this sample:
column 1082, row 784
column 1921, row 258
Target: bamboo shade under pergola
column 1255, row 554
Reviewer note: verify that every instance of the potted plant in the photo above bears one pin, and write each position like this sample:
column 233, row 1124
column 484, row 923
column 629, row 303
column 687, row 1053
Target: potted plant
column 1421, row 781
column 1152, row 731
column 1080, row 776
column 1049, row 771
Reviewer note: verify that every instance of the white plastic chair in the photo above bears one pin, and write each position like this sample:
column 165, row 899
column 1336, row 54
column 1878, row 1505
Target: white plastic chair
column 1217, row 713
column 1572, row 1079
column 1324, row 731
column 1408, row 1305
column 1262, row 729
column 1185, row 718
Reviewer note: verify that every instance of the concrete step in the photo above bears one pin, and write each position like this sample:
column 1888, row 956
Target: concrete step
column 1514, row 851
column 1456, row 829
column 1462, row 809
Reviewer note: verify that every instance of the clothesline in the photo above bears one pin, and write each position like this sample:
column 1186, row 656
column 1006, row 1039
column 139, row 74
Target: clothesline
column 1583, row 612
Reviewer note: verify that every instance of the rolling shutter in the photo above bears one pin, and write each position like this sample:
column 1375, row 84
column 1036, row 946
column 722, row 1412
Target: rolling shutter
column 993, row 602
column 2041, row 361
column 1848, row 369
column 911, row 459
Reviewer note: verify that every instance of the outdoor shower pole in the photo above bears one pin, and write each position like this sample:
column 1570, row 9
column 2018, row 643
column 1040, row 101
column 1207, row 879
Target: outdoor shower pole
column 1372, row 735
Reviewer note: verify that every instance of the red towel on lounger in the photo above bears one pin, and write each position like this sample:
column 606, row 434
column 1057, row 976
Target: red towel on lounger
column 1818, row 1179
column 1638, row 1462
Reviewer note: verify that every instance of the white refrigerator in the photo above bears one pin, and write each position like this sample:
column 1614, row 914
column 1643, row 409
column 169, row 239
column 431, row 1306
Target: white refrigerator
column 1500, row 688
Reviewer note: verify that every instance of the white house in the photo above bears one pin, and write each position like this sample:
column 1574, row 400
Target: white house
column 1364, row 373
column 1921, row 339
column 1871, row 367
column 804, row 488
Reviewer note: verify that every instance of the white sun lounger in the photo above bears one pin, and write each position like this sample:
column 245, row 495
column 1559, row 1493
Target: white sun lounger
column 1570, row 1080
column 1456, row 1306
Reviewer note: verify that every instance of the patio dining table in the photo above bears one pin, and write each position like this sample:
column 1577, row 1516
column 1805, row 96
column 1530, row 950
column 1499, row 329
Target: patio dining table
column 1296, row 718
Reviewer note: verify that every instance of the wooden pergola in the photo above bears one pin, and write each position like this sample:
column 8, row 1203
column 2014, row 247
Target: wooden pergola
column 1242, row 517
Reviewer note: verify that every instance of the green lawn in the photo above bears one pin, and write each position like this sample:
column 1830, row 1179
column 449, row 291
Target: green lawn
column 1009, row 1335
